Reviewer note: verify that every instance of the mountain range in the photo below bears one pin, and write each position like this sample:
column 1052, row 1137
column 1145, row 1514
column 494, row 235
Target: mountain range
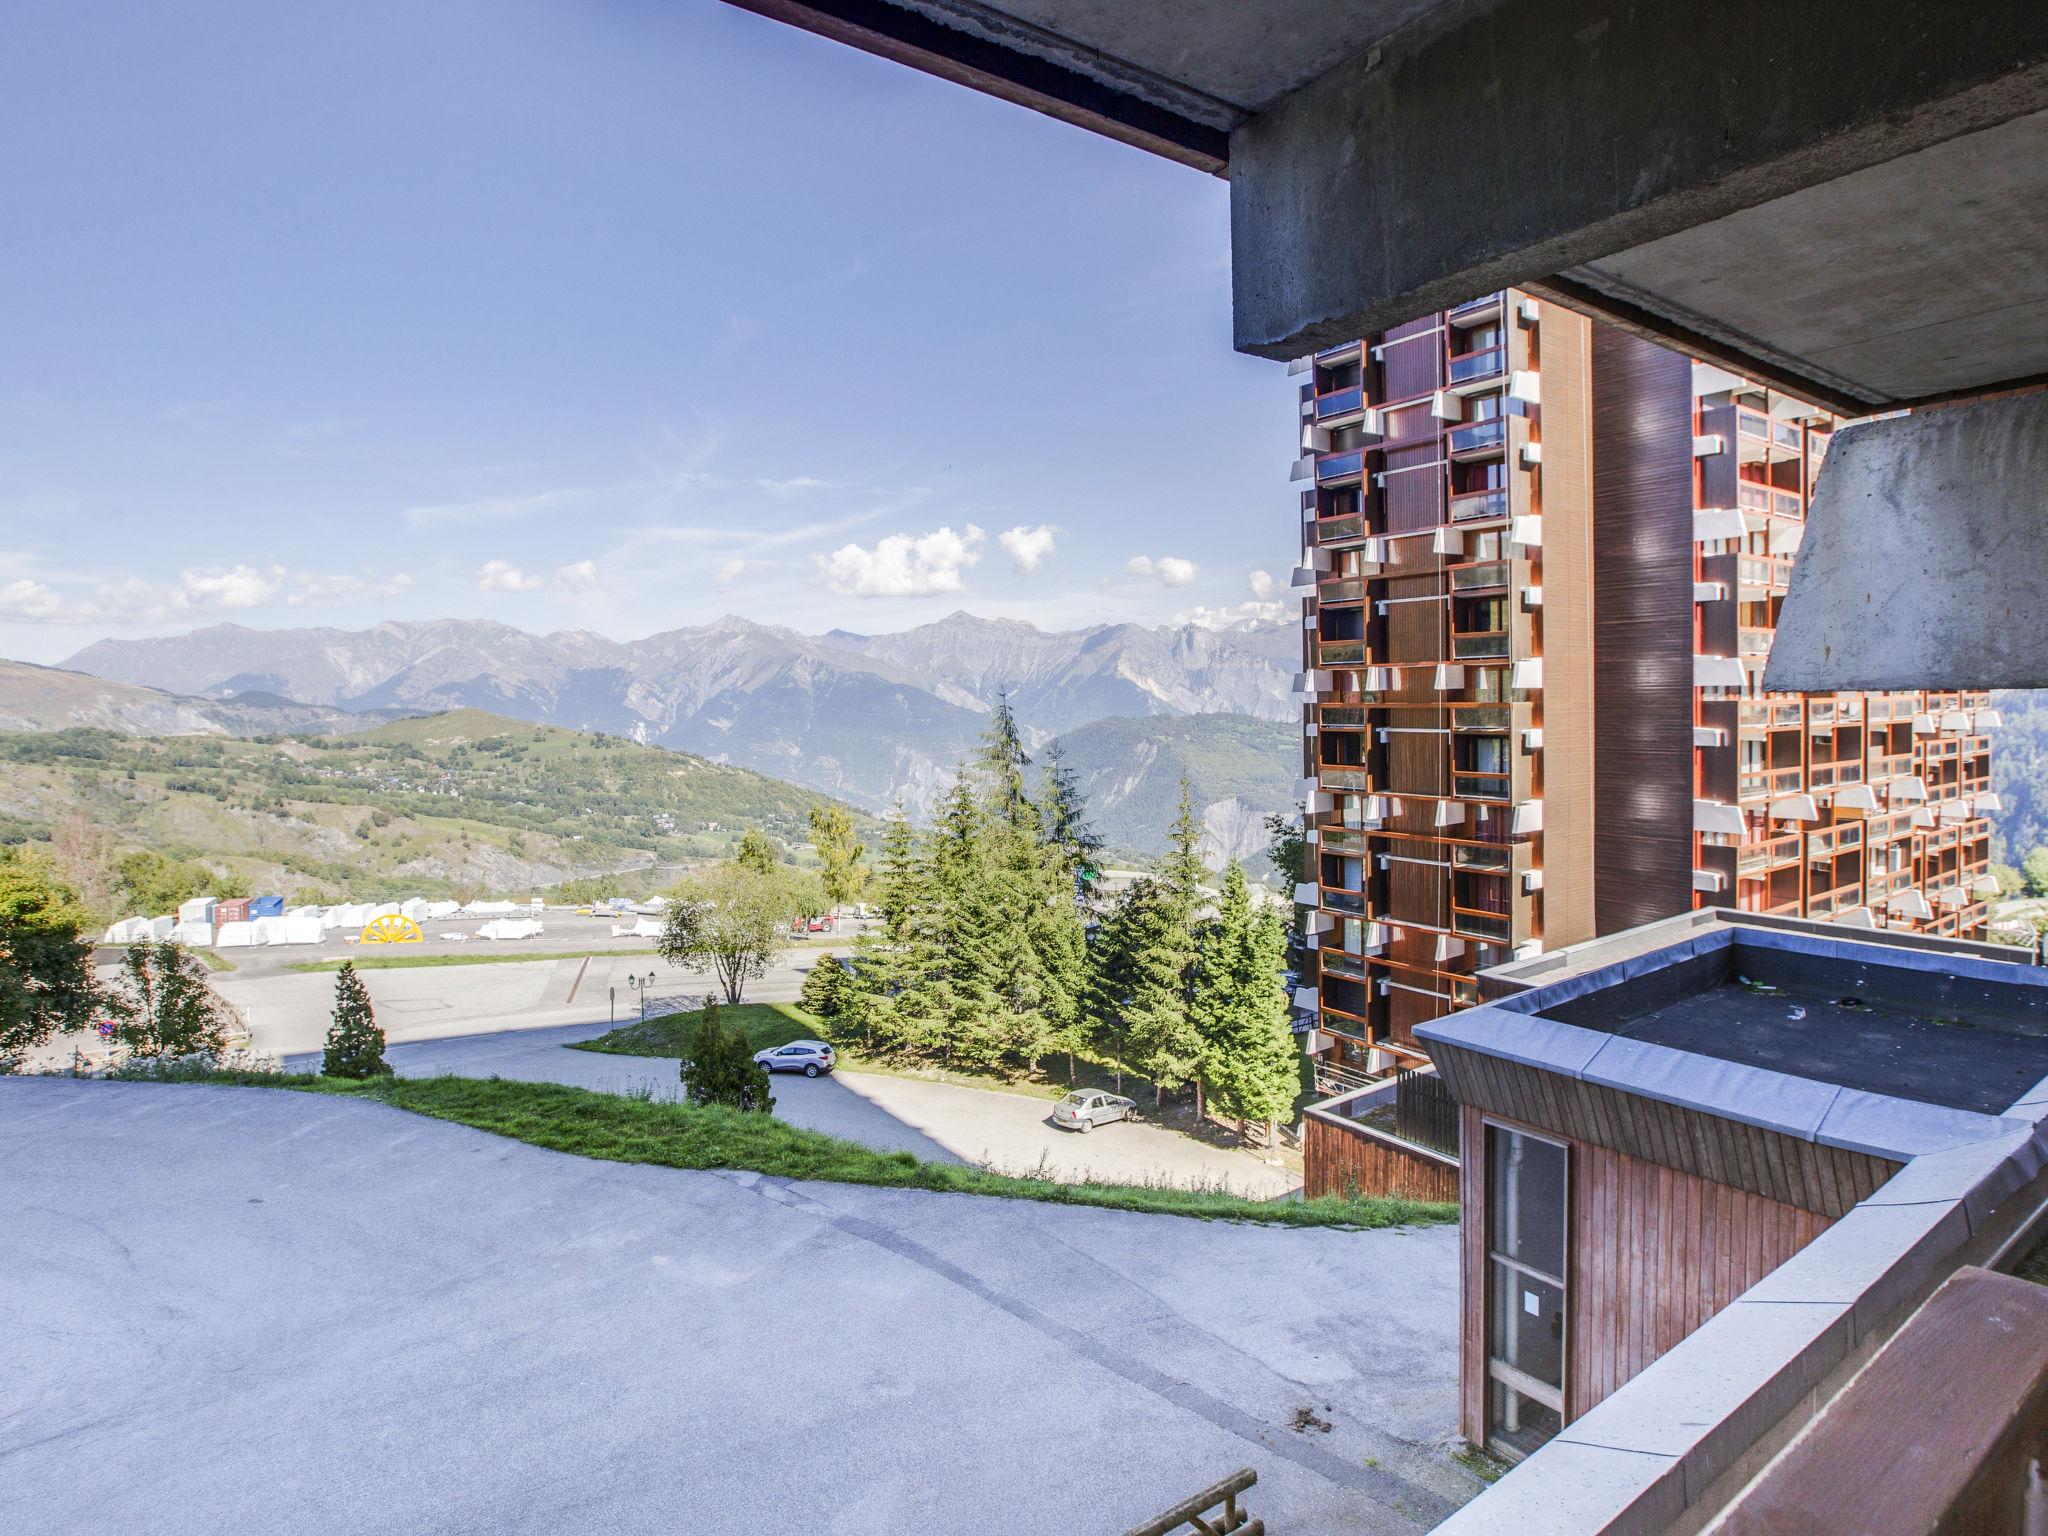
column 869, row 718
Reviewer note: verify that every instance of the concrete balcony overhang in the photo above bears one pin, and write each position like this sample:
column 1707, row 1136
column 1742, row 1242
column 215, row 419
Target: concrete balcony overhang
column 1856, row 797
column 1910, row 790
column 1910, row 903
column 1795, row 808
column 1718, row 672
column 1717, row 816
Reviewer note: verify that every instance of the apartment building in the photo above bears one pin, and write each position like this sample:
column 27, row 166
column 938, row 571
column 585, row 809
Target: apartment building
column 1543, row 563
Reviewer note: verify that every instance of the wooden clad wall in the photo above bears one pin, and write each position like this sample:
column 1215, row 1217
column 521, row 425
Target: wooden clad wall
column 1642, row 630
column 1339, row 1159
column 1568, row 718
column 1654, row 1253
column 1412, row 359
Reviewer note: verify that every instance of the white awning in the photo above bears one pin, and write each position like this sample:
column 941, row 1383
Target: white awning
column 1785, row 536
column 1447, row 677
column 1795, row 808
column 1528, row 817
column 1718, row 672
column 1910, row 903
column 1447, row 541
column 1708, row 880
column 1717, row 816
column 1984, row 886
column 1954, row 810
column 1448, row 948
column 1856, row 797
column 1304, row 578
column 1717, row 523
column 1307, row 894
column 1923, row 816
column 1907, row 791
column 1988, row 802
column 1988, row 720
column 1925, row 725
column 1955, row 720
column 1856, row 917
column 1526, row 530
column 1307, row 1000
column 1449, row 813
column 1528, row 673
column 1950, row 897
column 1321, row 922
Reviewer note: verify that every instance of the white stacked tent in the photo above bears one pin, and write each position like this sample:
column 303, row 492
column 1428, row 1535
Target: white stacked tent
column 234, row 936
column 130, row 930
column 160, row 927
column 198, row 910
column 200, row 934
column 644, row 928
column 510, row 928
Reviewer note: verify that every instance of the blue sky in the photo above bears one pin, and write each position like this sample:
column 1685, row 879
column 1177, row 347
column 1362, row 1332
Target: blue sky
column 607, row 314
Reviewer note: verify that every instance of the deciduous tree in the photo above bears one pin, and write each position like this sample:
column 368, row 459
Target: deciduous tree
column 170, row 1009
column 46, row 977
column 732, row 919
column 840, row 852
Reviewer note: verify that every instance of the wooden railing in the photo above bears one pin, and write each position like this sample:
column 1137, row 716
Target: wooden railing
column 1214, row 1512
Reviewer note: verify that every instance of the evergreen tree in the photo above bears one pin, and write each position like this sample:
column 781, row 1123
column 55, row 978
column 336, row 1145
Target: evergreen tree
column 721, row 1069
column 1065, row 810
column 1002, row 762
column 1239, row 1009
column 1183, row 870
column 1138, row 987
column 828, row 987
column 355, row 1045
column 896, row 885
column 966, row 924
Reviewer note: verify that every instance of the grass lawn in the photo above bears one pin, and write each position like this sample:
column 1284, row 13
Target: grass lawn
column 766, row 1024
column 210, row 960
column 627, row 1129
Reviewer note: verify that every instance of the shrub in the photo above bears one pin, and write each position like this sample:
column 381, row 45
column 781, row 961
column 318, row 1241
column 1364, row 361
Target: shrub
column 826, row 987
column 355, row 1045
column 170, row 1009
column 720, row 1069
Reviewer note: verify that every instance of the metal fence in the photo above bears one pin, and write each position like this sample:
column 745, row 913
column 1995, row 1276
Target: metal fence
column 1424, row 1111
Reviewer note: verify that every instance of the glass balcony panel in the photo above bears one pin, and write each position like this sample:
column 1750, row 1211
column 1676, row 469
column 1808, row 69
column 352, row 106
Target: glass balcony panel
column 1473, row 578
column 1479, row 437
column 1340, row 653
column 1482, row 925
column 1340, row 402
column 1340, row 466
column 1475, row 506
column 1482, row 786
column 1335, row 530
column 1483, row 364
column 1479, row 647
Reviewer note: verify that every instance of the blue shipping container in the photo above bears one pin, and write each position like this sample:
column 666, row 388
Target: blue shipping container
column 266, row 906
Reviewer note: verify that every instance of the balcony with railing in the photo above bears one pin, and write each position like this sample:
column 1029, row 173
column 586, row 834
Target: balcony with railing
column 1768, row 783
column 1836, row 900
column 1340, row 590
column 1335, row 776
column 1476, row 311
column 1769, row 714
column 1337, row 468
column 1472, row 367
column 1479, row 506
column 1482, row 576
column 1844, row 837
column 1478, row 439
column 1345, row 528
column 1480, row 645
column 1342, row 653
column 1753, row 641
column 1890, row 765
column 1340, row 402
column 1476, row 784
column 1764, row 573
column 1350, row 903
column 1354, row 841
column 1835, row 775
column 1758, row 859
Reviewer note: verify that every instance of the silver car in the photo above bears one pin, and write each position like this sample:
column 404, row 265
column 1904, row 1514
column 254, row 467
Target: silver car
column 1086, row 1108
column 809, row 1057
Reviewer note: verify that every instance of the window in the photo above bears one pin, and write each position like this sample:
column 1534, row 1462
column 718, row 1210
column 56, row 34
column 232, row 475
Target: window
column 1526, row 1198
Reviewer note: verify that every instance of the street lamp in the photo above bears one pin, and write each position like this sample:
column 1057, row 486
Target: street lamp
column 640, row 985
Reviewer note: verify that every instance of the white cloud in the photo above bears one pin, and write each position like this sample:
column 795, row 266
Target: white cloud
column 903, row 566
column 1169, row 570
column 1263, row 585
column 502, row 576
column 579, row 577
column 1027, row 547
column 793, row 483
column 312, row 589
column 1236, row 617
column 729, row 572
column 31, row 600
column 240, row 586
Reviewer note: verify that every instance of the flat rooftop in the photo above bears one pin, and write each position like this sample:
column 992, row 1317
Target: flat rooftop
column 1954, row 1037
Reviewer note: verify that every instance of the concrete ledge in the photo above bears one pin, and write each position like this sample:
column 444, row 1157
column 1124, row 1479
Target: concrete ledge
column 1581, row 1488
column 1797, row 1106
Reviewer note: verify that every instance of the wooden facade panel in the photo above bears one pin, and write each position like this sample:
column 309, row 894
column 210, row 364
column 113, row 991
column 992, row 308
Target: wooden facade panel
column 1412, row 359
column 1418, row 765
column 1826, row 1181
column 1414, row 490
column 1642, row 629
column 1653, row 1253
column 1566, row 505
column 1345, row 1159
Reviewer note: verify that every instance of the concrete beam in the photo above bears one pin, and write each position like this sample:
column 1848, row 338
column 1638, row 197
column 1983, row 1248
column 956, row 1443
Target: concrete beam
column 1925, row 556
column 1496, row 142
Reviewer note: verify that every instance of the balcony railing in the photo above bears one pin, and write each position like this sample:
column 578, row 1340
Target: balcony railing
column 1482, row 786
column 1335, row 777
column 1477, row 506
column 1337, row 899
column 1480, row 576
column 1342, row 715
column 1470, row 367
column 1347, row 840
column 1772, row 853
column 1473, row 309
column 1482, row 717
column 1767, row 714
column 1478, row 437
column 1340, row 653
column 1486, row 856
column 1337, row 530
column 1482, row 925
column 1340, row 402
column 1761, row 783
column 1771, row 572
column 1347, row 465
column 1833, row 840
column 1345, row 589
column 1751, row 641
column 1481, row 646
column 1835, row 775
column 1751, row 496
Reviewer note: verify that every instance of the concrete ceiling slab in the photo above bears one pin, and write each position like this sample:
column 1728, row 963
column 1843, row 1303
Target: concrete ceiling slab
column 1246, row 55
column 1917, row 278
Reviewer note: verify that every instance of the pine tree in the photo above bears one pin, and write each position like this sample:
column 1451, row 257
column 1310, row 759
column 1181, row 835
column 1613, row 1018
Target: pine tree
column 827, row 988
column 1239, row 1009
column 1139, row 987
column 1065, row 810
column 355, row 1045
column 721, row 1069
column 1002, row 761
column 896, row 884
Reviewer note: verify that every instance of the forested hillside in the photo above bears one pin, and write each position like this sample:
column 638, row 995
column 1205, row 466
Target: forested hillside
column 442, row 804
column 2019, row 772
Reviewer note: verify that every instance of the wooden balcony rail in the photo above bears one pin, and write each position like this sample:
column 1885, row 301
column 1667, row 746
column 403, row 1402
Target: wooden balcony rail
column 1474, row 785
column 1482, row 717
column 1342, row 716
column 1214, row 1512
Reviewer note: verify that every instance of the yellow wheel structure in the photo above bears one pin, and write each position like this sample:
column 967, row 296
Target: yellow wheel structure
column 392, row 929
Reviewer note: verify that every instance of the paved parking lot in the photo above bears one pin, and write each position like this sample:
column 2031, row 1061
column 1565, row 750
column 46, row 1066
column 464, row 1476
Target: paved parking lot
column 242, row 1310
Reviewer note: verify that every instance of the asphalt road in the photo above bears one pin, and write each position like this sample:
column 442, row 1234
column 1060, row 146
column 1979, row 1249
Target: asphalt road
column 241, row 1310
